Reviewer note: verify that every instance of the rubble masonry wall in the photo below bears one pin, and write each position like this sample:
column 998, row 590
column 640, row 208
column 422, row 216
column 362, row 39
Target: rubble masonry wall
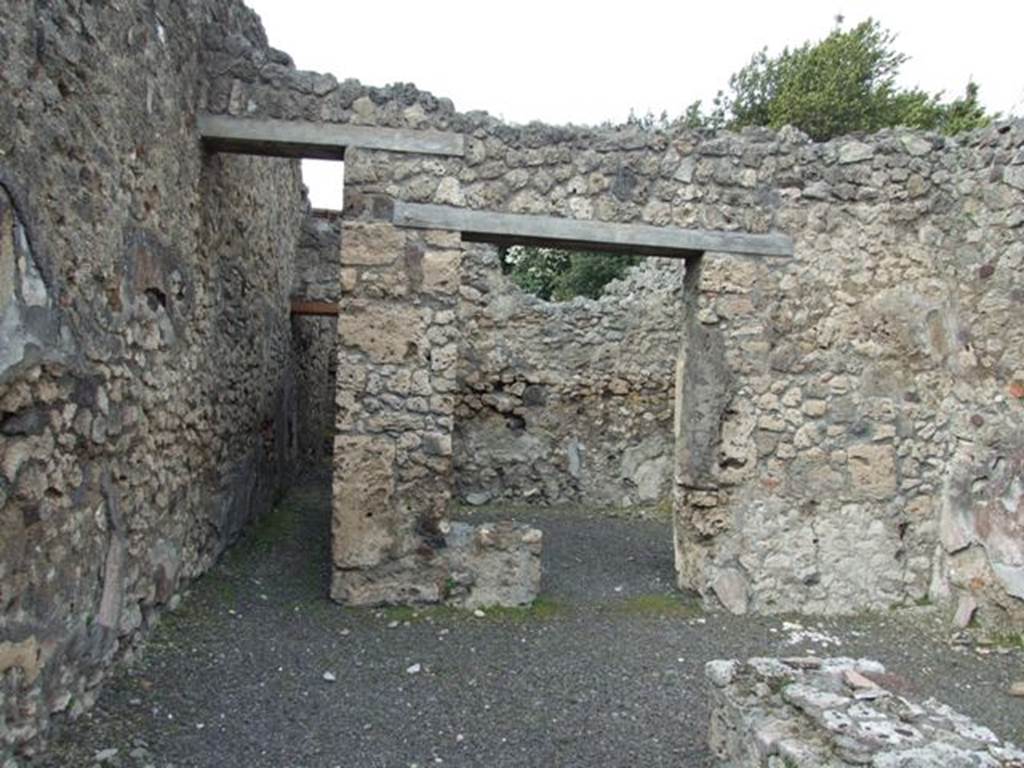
column 146, row 394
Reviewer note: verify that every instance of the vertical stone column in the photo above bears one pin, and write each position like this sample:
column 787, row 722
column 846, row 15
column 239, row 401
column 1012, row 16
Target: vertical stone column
column 395, row 397
column 721, row 367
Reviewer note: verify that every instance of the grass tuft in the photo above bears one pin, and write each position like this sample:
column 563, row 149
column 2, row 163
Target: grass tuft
column 658, row 605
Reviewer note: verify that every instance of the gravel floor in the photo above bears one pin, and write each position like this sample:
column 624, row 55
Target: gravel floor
column 605, row 670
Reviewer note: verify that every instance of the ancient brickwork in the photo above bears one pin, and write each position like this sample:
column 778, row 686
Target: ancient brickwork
column 397, row 351
column 145, row 392
column 808, row 712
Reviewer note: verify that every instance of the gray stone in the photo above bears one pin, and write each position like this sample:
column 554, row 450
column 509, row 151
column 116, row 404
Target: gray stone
column 965, row 608
column 1014, row 176
column 720, row 672
column 493, row 564
column 855, row 152
column 916, row 146
column 730, row 587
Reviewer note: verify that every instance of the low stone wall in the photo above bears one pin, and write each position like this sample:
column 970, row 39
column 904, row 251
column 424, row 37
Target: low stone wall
column 831, row 713
column 569, row 401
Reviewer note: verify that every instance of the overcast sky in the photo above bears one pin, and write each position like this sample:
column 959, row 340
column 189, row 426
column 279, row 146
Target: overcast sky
column 585, row 63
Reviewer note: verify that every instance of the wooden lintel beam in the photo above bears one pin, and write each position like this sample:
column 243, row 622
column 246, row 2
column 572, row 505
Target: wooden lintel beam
column 528, row 229
column 315, row 308
column 328, row 141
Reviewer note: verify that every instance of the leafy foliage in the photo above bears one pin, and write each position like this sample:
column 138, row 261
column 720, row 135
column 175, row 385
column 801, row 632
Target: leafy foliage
column 843, row 84
column 557, row 275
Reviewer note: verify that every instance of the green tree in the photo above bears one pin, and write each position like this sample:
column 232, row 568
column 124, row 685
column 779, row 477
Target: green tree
column 557, row 275
column 843, row 84
column 535, row 270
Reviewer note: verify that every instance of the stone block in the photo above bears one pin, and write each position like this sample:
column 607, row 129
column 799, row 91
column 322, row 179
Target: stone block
column 1014, row 176
column 373, row 244
column 872, row 470
column 386, row 332
column 495, row 564
column 855, row 152
column 364, row 530
column 441, row 271
column 965, row 608
column 409, row 581
column 23, row 655
column 349, row 279
column 449, row 192
column 730, row 587
column 8, row 262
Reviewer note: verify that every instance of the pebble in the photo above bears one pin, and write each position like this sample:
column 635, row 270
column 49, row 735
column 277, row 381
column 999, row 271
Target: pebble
column 479, row 614
column 1017, row 689
column 856, row 680
column 105, row 755
column 414, row 669
column 329, row 677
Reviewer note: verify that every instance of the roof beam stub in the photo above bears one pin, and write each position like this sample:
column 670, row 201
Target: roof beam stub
column 321, row 141
column 552, row 231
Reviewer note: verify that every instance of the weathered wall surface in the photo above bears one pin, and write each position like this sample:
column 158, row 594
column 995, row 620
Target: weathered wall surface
column 571, row 401
column 850, row 417
column 315, row 338
column 397, row 348
column 145, row 351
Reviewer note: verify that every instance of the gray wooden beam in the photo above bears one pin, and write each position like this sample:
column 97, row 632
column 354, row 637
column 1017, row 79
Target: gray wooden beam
column 525, row 229
column 326, row 141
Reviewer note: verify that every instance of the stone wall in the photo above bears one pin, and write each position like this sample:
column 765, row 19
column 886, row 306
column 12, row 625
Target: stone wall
column 398, row 333
column 848, row 422
column 145, row 366
column 397, row 349
column 567, row 401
